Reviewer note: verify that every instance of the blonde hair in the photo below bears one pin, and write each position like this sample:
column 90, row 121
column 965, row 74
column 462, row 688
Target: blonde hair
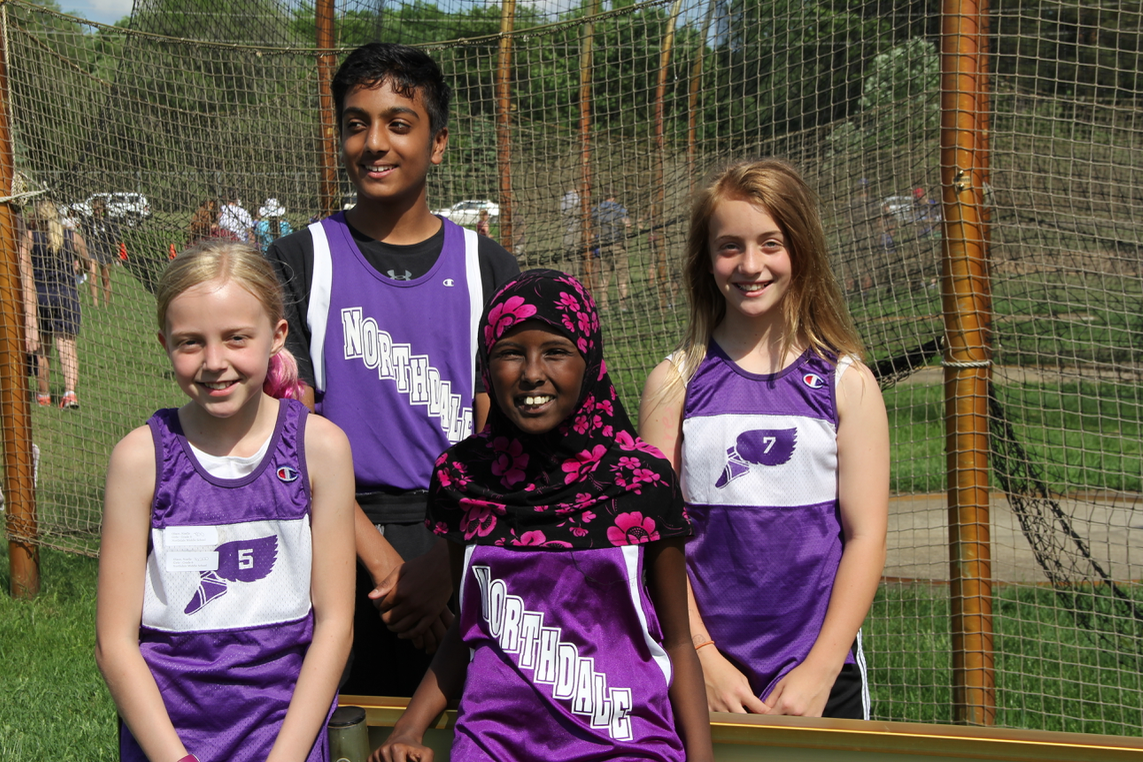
column 813, row 308
column 230, row 261
column 46, row 217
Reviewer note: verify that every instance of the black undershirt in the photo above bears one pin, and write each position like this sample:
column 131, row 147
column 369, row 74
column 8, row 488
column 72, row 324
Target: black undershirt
column 293, row 258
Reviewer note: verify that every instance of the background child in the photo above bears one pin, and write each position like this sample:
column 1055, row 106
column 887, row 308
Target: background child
column 225, row 575
column 552, row 514
column 49, row 257
column 781, row 439
column 417, row 284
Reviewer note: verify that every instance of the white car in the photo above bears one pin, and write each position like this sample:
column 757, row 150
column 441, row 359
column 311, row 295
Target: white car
column 900, row 207
column 131, row 208
column 468, row 212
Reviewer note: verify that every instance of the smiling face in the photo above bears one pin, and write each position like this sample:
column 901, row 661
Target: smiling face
column 219, row 339
column 536, row 375
column 387, row 144
column 750, row 261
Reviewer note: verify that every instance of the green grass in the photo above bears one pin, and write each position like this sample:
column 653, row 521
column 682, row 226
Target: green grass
column 54, row 697
column 1050, row 673
column 1080, row 436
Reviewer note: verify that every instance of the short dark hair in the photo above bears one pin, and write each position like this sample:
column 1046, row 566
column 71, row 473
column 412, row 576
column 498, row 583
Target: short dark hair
column 406, row 68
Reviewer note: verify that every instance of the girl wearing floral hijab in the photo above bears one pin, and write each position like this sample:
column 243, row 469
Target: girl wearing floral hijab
column 555, row 511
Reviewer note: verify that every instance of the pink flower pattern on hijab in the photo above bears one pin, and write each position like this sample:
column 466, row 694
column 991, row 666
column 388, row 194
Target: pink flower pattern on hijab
column 588, row 483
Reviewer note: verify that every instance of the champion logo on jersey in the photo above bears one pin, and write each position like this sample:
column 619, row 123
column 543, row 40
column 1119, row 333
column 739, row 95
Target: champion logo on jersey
column 813, row 380
column 287, row 474
column 449, row 282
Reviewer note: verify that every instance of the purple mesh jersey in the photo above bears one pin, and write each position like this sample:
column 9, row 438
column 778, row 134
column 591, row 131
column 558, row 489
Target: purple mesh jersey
column 389, row 367
column 759, row 475
column 566, row 661
column 227, row 616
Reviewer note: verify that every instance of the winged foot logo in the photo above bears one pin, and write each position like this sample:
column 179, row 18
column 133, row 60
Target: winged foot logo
column 238, row 561
column 763, row 447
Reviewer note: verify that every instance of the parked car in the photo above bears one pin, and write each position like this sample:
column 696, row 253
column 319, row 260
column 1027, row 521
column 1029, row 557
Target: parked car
column 130, row 208
column 899, row 207
column 468, row 212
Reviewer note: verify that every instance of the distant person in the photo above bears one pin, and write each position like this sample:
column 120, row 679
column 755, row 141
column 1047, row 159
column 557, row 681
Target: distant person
column 203, row 223
column 104, row 239
column 236, row 219
column 49, row 258
column 519, row 235
column 781, row 434
column 569, row 209
column 610, row 222
column 573, row 232
column 271, row 224
column 482, row 226
column 225, row 605
column 390, row 272
column 926, row 213
column 866, row 239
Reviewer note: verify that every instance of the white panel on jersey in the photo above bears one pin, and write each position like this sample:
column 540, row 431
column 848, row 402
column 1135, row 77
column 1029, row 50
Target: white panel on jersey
column 475, row 296
column 317, row 316
column 259, row 575
column 631, row 555
column 754, row 460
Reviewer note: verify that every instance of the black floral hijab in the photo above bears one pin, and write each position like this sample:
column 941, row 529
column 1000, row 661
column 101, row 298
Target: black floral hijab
column 588, row 483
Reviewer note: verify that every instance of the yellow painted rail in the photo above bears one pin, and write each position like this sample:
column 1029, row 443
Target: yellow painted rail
column 800, row 739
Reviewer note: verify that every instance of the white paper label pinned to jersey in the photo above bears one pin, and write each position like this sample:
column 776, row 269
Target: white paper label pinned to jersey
column 192, row 560
column 181, row 536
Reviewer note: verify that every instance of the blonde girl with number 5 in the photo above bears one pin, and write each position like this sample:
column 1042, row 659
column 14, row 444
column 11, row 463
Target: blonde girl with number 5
column 225, row 607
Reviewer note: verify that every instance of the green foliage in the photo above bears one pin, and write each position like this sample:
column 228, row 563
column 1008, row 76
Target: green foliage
column 1072, row 49
column 785, row 66
column 900, row 100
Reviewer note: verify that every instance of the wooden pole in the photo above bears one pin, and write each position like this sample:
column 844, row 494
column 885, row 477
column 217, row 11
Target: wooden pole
column 966, row 300
column 15, row 410
column 658, row 250
column 329, row 200
column 587, row 42
column 504, row 120
column 693, row 97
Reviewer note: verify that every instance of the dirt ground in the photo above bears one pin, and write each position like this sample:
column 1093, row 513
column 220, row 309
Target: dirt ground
column 1111, row 525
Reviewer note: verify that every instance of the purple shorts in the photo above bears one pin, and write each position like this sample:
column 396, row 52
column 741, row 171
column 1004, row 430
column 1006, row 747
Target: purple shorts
column 58, row 310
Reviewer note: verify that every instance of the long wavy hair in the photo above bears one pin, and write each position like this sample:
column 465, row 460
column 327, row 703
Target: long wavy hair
column 813, row 308
column 241, row 263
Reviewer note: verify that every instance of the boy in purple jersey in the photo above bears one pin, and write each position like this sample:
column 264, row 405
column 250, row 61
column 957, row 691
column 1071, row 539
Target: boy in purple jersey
column 781, row 440
column 382, row 305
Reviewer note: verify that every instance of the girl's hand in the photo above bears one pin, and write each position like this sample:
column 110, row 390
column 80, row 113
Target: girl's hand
column 803, row 692
column 727, row 689
column 402, row 749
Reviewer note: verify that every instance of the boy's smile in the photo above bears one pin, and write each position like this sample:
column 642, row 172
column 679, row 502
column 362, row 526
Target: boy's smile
column 387, row 146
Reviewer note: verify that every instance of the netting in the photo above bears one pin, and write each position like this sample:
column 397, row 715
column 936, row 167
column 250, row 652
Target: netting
column 194, row 100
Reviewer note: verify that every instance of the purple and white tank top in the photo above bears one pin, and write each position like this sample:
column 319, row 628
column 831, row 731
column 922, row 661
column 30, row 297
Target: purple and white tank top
column 394, row 361
column 759, row 475
column 566, row 662
column 227, row 616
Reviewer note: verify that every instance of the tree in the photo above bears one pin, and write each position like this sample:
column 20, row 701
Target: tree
column 900, row 100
